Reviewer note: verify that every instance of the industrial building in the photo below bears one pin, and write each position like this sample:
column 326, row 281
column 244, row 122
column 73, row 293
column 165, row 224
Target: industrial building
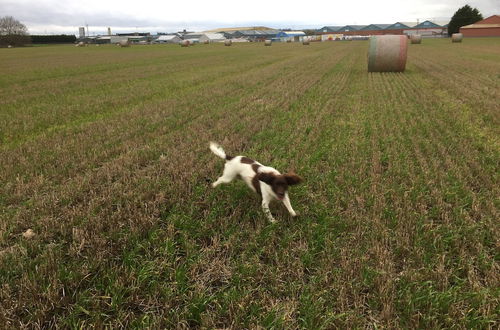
column 426, row 28
column 211, row 37
column 289, row 36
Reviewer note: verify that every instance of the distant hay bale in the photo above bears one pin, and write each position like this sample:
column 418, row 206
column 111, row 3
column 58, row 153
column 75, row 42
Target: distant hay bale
column 457, row 37
column 228, row 42
column 9, row 46
column 305, row 42
column 416, row 39
column 184, row 43
column 124, row 43
column 80, row 44
column 387, row 53
column 267, row 43
column 288, row 40
column 206, row 42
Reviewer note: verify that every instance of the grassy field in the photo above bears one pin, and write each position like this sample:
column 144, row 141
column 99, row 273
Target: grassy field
column 104, row 155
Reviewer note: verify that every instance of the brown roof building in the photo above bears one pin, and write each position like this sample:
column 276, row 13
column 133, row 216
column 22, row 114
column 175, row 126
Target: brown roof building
column 488, row 27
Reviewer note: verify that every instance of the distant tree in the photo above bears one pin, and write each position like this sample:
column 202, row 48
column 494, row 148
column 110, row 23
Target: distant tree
column 13, row 32
column 463, row 16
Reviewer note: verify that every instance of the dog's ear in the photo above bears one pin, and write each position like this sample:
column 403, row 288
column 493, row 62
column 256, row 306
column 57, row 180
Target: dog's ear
column 266, row 177
column 292, row 178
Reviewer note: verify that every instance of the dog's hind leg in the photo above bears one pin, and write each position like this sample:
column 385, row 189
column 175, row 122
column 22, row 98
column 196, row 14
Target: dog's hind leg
column 227, row 176
column 265, row 207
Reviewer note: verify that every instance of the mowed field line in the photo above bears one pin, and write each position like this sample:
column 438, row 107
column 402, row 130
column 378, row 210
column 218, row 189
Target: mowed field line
column 111, row 89
column 397, row 216
column 46, row 178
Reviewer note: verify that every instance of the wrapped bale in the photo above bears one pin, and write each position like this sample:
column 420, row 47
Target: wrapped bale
column 124, row 43
column 457, row 37
column 305, row 42
column 416, row 39
column 267, row 43
column 228, row 42
column 387, row 53
column 184, row 43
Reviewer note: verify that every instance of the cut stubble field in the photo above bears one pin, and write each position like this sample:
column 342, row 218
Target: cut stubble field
column 104, row 155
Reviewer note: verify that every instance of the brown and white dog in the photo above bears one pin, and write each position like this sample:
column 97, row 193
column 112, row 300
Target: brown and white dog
column 264, row 180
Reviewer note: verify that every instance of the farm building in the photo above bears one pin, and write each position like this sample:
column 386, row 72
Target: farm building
column 193, row 37
column 328, row 29
column 488, row 27
column 110, row 39
column 426, row 28
column 332, row 36
column 212, row 37
column 289, row 36
column 168, row 39
column 252, row 35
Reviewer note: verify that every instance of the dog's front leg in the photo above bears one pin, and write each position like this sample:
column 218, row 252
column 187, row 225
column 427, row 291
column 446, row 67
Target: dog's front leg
column 265, row 208
column 288, row 206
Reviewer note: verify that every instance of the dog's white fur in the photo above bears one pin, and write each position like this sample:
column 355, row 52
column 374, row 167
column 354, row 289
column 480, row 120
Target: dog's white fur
column 235, row 167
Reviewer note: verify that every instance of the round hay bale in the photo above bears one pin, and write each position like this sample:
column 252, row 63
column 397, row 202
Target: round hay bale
column 9, row 46
column 80, row 44
column 184, row 43
column 124, row 43
column 305, row 42
column 206, row 42
column 267, row 43
column 416, row 39
column 228, row 42
column 387, row 53
column 457, row 37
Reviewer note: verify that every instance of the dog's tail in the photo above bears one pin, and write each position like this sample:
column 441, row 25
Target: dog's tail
column 217, row 149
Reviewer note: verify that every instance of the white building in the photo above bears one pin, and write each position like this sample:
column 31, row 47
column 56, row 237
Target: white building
column 212, row 37
column 168, row 39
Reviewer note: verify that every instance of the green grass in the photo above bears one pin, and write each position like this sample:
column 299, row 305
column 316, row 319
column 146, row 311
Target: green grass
column 104, row 154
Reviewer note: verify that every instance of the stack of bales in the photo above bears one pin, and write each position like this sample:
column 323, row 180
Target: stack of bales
column 228, row 42
column 184, row 43
column 387, row 53
column 416, row 39
column 124, row 43
column 267, row 43
column 457, row 37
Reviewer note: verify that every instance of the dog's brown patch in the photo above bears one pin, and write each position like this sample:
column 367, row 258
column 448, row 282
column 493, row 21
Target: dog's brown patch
column 246, row 160
column 256, row 184
column 255, row 167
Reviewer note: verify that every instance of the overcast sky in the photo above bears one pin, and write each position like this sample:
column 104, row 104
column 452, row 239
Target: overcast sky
column 65, row 16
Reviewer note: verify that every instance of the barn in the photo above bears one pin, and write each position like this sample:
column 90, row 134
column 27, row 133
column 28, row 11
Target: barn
column 488, row 27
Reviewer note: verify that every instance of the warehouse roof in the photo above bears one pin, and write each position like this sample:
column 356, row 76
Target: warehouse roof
column 375, row 27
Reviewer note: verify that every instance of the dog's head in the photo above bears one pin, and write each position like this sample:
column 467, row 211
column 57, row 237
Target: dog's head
column 280, row 183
